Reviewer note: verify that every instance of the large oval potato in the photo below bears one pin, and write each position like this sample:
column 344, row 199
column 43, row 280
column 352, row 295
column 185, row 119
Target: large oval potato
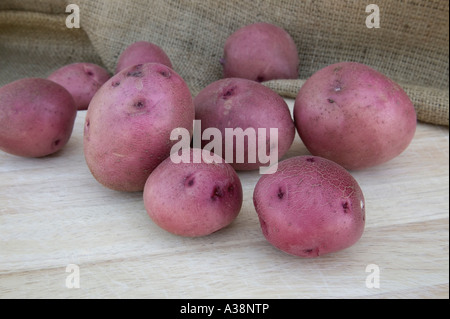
column 36, row 117
column 260, row 52
column 239, row 105
column 82, row 80
column 311, row 206
column 142, row 52
column 129, row 122
column 354, row 115
column 195, row 197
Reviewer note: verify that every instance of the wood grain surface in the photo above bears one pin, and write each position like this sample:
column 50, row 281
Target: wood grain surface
column 54, row 214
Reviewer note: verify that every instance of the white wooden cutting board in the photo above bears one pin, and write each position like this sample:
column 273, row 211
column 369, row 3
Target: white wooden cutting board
column 60, row 228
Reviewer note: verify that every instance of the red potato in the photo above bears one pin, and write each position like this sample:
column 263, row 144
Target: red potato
column 260, row 52
column 310, row 207
column 235, row 103
column 36, row 117
column 193, row 199
column 82, row 80
column 354, row 115
column 129, row 122
column 142, row 52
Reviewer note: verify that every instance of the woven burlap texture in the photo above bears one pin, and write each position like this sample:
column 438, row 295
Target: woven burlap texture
column 411, row 46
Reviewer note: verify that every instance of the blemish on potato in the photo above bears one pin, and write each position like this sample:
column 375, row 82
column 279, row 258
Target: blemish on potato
column 165, row 73
column 115, row 84
column 189, row 180
column 311, row 251
column 139, row 104
column 217, row 193
column 118, row 155
column 338, row 86
column 139, row 85
column 228, row 92
column 228, row 105
column 346, row 207
column 86, row 127
column 280, row 193
column 135, row 74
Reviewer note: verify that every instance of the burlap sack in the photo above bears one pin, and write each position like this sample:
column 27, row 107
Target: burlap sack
column 411, row 45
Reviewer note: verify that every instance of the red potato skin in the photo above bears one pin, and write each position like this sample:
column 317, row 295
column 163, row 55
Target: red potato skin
column 82, row 80
column 36, row 117
column 129, row 122
column 354, row 115
column 260, row 52
column 241, row 103
column 142, row 52
column 193, row 199
column 310, row 207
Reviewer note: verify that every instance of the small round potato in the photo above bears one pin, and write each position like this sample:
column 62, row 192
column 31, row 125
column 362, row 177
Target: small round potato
column 142, row 52
column 311, row 206
column 195, row 197
column 353, row 115
column 129, row 123
column 260, row 52
column 239, row 105
column 82, row 80
column 36, row 117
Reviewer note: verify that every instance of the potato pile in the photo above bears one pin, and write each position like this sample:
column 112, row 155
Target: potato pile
column 348, row 115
